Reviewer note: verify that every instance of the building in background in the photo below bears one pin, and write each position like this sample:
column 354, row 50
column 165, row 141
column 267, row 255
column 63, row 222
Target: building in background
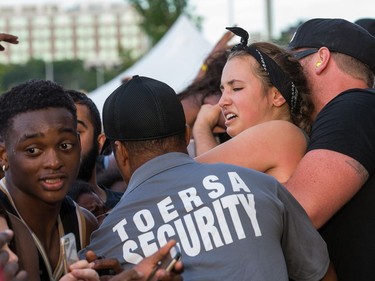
column 94, row 32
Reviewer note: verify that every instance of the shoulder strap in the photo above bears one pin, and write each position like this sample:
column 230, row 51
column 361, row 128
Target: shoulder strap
column 73, row 221
column 28, row 258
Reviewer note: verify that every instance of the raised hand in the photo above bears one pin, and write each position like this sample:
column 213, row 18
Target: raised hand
column 8, row 38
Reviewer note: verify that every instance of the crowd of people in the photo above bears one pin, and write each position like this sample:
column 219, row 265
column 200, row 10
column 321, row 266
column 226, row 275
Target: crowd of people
column 279, row 184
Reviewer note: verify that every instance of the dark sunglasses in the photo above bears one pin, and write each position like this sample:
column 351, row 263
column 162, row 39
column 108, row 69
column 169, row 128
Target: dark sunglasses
column 301, row 54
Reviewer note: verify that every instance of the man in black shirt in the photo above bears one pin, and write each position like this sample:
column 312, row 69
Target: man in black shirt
column 334, row 181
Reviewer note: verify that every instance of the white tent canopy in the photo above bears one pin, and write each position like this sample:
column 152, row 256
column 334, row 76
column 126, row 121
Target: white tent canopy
column 175, row 60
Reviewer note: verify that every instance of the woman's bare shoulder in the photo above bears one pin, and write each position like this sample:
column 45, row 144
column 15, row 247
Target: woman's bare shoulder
column 269, row 145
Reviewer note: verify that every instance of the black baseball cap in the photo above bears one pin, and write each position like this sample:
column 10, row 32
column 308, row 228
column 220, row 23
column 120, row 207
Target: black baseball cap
column 368, row 24
column 338, row 35
column 143, row 109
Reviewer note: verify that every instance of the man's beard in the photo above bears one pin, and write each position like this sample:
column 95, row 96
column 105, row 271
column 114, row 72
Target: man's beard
column 88, row 164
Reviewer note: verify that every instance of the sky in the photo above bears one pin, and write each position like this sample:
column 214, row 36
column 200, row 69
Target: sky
column 251, row 14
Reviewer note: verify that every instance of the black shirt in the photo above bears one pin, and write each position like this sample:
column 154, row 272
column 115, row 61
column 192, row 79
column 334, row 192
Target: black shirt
column 347, row 125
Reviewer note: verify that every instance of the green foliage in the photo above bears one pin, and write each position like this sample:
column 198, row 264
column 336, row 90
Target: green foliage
column 157, row 16
column 14, row 74
column 69, row 73
column 126, row 57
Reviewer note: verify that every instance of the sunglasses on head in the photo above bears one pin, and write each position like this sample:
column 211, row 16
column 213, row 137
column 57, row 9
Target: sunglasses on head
column 301, row 54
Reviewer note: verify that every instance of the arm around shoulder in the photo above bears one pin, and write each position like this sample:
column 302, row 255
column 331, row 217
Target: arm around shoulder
column 324, row 181
column 274, row 147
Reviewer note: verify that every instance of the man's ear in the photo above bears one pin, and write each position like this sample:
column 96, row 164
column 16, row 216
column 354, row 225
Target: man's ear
column 123, row 161
column 121, row 154
column 101, row 139
column 323, row 57
column 277, row 98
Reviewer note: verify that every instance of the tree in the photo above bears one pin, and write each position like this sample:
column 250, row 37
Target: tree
column 159, row 15
column 69, row 73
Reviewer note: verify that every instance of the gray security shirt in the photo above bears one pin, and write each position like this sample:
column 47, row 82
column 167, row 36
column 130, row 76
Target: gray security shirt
column 230, row 222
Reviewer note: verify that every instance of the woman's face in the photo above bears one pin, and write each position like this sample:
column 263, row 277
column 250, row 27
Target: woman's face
column 244, row 102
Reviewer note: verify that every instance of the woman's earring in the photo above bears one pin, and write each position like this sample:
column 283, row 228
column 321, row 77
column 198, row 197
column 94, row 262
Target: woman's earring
column 3, row 168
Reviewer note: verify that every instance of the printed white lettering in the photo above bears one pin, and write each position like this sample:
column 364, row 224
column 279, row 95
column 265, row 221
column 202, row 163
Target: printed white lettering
column 120, row 229
column 192, row 246
column 145, row 240
column 237, row 182
column 143, row 220
column 188, row 197
column 164, row 207
column 249, row 206
column 165, row 233
column 217, row 188
column 230, row 202
column 222, row 222
column 205, row 221
column 203, row 227
column 128, row 255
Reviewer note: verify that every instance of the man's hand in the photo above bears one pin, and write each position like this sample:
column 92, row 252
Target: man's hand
column 81, row 270
column 105, row 267
column 8, row 38
column 142, row 271
column 147, row 265
column 9, row 271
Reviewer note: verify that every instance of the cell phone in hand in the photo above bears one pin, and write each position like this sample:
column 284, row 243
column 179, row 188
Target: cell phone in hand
column 68, row 247
column 167, row 262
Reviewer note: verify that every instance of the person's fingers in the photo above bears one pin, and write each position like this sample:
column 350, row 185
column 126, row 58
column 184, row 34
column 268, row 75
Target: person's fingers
column 9, row 38
column 5, row 237
column 112, row 264
column 179, row 267
column 22, row 276
column 87, row 274
column 223, row 41
column 149, row 265
column 174, row 274
column 227, row 36
column 158, row 255
column 100, row 263
column 10, row 270
column 163, row 275
column 80, row 264
column 103, row 263
column 91, row 256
